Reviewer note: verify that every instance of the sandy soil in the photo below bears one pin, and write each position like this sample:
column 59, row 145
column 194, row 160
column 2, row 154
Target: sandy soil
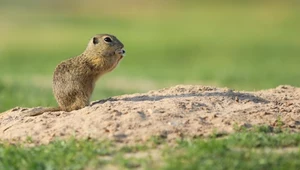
column 172, row 113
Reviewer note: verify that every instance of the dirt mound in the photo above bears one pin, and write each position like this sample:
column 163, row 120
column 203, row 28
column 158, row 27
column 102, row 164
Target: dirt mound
column 173, row 113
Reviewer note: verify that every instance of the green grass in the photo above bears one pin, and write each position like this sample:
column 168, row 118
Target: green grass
column 238, row 151
column 248, row 46
column 244, row 150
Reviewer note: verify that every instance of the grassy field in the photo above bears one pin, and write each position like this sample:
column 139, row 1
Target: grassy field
column 258, row 149
column 247, row 45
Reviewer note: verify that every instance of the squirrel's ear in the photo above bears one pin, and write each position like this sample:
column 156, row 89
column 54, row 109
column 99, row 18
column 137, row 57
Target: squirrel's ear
column 95, row 40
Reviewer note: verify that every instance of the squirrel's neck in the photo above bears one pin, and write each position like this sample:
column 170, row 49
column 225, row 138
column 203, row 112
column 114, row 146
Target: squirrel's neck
column 97, row 63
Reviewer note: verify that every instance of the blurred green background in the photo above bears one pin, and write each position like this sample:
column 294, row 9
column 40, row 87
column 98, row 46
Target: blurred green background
column 245, row 45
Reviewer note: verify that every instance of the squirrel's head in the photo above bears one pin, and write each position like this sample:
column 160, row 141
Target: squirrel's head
column 105, row 51
column 106, row 45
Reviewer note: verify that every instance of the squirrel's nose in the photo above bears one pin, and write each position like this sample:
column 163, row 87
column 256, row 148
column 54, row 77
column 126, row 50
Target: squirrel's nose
column 123, row 51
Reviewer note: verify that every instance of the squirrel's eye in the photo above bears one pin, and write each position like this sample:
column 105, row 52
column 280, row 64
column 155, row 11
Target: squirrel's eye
column 107, row 39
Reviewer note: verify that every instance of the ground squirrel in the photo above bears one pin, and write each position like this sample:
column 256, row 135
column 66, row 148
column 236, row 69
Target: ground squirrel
column 74, row 79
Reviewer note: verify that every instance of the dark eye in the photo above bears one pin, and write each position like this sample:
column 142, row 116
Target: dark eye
column 107, row 39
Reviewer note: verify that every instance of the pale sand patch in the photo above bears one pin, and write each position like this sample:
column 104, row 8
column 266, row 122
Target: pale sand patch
column 173, row 113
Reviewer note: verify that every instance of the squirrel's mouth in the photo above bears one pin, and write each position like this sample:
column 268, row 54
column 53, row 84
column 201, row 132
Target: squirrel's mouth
column 121, row 52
